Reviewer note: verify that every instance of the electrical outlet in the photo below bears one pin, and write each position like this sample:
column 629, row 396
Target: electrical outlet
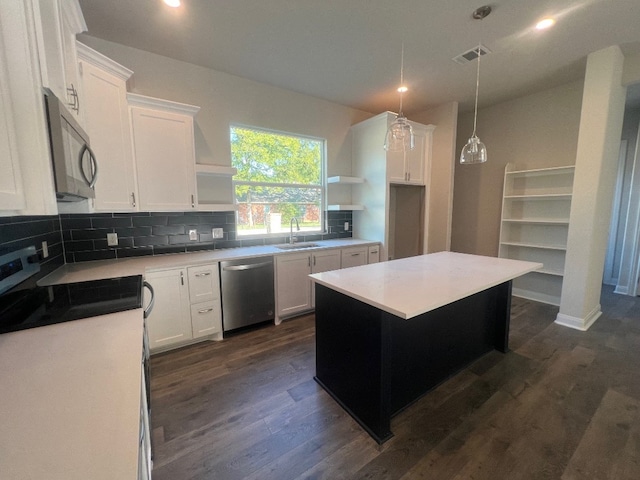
column 112, row 239
column 45, row 249
column 217, row 233
column 346, row 226
column 193, row 234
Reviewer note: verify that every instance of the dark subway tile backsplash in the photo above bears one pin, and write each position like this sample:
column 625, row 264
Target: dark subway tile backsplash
column 24, row 231
column 158, row 233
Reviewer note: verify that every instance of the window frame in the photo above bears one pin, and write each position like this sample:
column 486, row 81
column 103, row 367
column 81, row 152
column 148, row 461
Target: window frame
column 322, row 185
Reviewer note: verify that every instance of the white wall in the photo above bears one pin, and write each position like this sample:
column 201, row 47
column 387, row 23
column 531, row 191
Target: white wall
column 535, row 131
column 226, row 99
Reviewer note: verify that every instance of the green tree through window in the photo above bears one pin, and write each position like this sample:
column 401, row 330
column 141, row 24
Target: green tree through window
column 279, row 177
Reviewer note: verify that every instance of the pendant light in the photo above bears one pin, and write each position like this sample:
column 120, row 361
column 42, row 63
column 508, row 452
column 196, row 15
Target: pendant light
column 475, row 151
column 400, row 136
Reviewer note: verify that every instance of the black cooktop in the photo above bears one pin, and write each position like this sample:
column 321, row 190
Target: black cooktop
column 41, row 306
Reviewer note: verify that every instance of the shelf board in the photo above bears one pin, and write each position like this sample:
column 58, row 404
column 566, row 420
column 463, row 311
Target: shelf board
column 543, row 171
column 547, row 221
column 536, row 296
column 542, row 196
column 337, row 207
column 536, row 245
column 345, row 180
column 217, row 170
column 216, row 207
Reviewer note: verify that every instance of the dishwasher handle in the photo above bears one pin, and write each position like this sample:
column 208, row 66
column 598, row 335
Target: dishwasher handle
column 248, row 266
column 147, row 311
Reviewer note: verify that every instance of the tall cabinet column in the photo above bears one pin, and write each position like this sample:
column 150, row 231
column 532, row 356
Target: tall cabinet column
column 595, row 173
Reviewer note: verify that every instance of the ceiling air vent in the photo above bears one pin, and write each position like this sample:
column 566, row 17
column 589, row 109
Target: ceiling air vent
column 471, row 55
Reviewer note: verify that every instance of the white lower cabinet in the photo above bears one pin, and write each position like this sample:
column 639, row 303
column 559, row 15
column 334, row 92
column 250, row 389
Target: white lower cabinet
column 144, row 448
column 354, row 256
column 170, row 321
column 295, row 292
column 373, row 254
column 293, row 285
column 323, row 261
column 187, row 306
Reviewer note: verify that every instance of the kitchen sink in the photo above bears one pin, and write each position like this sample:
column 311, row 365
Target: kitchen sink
column 295, row 246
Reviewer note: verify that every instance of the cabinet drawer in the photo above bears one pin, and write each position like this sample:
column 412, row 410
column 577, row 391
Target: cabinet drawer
column 204, row 283
column 206, row 319
column 353, row 257
column 374, row 254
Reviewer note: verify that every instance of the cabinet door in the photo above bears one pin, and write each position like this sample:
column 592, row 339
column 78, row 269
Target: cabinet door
column 204, row 283
column 165, row 160
column 170, row 320
column 11, row 193
column 354, row 256
column 416, row 158
column 396, row 167
column 323, row 261
column 57, row 24
column 373, row 254
column 206, row 318
column 105, row 102
column 293, row 285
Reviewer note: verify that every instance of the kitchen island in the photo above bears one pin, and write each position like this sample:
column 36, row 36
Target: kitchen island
column 387, row 333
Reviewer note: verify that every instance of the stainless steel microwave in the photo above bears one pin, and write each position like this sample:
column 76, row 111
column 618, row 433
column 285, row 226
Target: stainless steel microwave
column 75, row 169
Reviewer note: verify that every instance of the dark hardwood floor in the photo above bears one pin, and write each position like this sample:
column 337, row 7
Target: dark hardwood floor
column 562, row 404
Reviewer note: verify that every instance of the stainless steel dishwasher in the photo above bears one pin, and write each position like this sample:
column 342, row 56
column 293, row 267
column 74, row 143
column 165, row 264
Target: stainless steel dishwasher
column 247, row 292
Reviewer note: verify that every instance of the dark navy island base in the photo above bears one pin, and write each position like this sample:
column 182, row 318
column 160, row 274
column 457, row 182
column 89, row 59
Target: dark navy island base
column 375, row 364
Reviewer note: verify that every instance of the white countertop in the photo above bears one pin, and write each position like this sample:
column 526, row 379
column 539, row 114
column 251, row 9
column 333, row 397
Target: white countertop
column 96, row 270
column 412, row 286
column 70, row 399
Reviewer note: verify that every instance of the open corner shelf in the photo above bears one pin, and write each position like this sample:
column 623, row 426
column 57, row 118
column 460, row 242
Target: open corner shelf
column 536, row 206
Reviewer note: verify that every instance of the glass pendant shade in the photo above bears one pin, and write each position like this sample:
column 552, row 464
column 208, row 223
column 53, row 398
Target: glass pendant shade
column 473, row 152
column 399, row 136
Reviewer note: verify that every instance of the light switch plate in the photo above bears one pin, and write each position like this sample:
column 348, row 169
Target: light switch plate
column 45, row 249
column 193, row 234
column 112, row 239
column 218, row 233
column 346, row 226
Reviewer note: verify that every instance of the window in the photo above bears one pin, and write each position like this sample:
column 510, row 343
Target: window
column 279, row 178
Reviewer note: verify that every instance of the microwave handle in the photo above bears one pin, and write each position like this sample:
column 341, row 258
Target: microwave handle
column 94, row 165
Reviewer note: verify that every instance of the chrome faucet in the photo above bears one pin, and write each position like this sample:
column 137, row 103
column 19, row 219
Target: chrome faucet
column 293, row 239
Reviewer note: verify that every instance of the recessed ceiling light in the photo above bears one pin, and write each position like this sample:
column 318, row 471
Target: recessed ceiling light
column 172, row 3
column 545, row 23
column 403, row 89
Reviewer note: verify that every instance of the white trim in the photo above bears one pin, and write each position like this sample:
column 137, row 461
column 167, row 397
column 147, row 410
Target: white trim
column 609, row 278
column 97, row 59
column 577, row 323
column 137, row 100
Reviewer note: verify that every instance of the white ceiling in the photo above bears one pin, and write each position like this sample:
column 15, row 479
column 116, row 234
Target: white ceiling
column 348, row 51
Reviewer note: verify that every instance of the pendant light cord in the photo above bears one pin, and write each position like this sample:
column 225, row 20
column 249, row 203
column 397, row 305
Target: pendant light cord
column 475, row 114
column 401, row 77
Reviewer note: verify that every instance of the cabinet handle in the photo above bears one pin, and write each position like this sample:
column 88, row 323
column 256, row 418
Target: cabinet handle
column 314, row 260
column 355, row 254
column 374, row 251
column 193, row 201
column 73, row 93
column 206, row 310
column 181, row 278
column 133, row 199
column 203, row 274
column 308, row 261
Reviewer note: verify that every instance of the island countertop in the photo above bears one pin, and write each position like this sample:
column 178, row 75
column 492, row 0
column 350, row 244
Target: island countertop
column 415, row 285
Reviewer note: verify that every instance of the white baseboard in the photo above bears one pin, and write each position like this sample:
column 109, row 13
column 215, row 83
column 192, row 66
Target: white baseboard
column 582, row 324
column 622, row 290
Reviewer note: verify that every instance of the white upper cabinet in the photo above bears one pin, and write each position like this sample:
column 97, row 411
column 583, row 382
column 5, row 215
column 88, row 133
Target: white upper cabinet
column 57, row 24
column 409, row 167
column 11, row 194
column 105, row 102
column 164, row 153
